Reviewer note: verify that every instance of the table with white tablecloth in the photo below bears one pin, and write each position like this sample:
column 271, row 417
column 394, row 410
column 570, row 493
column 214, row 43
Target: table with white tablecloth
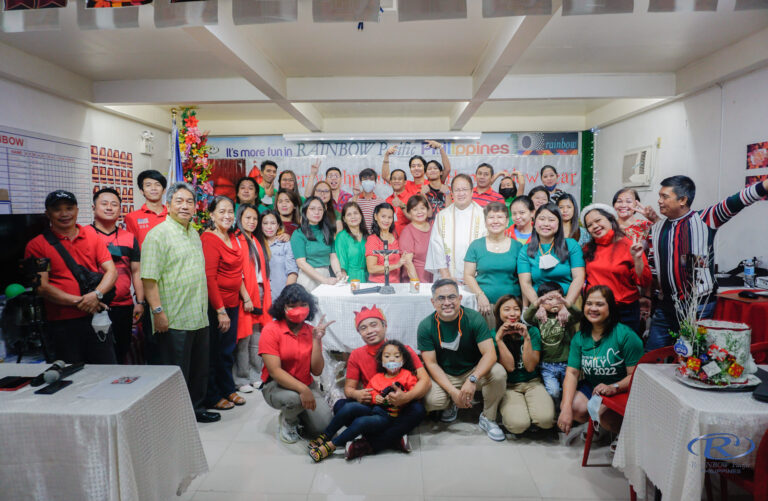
column 663, row 416
column 95, row 440
column 403, row 311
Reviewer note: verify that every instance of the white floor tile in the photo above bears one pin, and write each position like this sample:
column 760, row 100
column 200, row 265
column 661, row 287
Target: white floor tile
column 393, row 473
column 246, row 496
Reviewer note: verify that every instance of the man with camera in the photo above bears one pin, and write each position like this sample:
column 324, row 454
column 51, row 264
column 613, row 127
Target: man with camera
column 80, row 274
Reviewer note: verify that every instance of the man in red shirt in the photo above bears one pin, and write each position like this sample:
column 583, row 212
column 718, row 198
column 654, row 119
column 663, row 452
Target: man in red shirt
column 69, row 311
column 361, row 367
column 124, row 249
column 418, row 166
column 152, row 185
column 399, row 198
column 483, row 194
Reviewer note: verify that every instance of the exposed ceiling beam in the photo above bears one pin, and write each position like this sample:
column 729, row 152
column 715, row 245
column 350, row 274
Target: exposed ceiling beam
column 500, row 55
column 227, row 44
column 380, row 89
column 181, row 90
column 729, row 62
column 585, row 86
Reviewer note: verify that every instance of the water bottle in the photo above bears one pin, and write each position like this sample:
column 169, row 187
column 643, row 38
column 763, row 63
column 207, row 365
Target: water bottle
column 749, row 272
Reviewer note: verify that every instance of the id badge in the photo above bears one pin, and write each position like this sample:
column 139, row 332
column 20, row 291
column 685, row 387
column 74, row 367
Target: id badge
column 548, row 262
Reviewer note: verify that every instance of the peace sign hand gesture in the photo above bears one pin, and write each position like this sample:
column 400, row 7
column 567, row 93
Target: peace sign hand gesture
column 637, row 249
column 646, row 212
column 319, row 331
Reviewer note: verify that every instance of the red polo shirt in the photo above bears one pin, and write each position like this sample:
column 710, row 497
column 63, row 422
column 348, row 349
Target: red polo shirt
column 486, row 197
column 294, row 350
column 86, row 249
column 401, row 221
column 124, row 249
column 361, row 365
column 139, row 222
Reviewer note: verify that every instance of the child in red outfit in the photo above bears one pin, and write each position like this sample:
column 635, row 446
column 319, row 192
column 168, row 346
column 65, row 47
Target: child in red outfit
column 395, row 373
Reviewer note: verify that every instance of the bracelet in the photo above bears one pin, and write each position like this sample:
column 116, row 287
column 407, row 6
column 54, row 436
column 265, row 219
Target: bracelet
column 385, row 162
column 247, row 300
column 221, row 312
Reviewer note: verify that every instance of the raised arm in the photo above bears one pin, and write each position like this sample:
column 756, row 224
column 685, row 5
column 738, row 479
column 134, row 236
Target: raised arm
column 313, row 170
column 443, row 158
column 385, row 164
column 722, row 212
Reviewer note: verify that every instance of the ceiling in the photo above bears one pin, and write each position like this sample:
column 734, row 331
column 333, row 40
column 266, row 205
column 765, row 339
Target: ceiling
column 298, row 76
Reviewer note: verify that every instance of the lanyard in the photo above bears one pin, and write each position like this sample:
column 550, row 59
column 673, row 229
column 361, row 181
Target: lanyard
column 453, row 345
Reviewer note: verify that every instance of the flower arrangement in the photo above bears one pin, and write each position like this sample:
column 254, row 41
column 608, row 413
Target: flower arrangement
column 712, row 352
column 196, row 165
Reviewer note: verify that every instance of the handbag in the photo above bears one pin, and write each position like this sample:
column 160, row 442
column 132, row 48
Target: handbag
column 87, row 280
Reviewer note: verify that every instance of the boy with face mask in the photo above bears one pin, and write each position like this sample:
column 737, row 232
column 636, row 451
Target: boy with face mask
column 367, row 199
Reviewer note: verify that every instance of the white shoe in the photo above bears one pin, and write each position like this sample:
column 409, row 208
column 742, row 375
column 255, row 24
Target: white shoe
column 246, row 388
column 491, row 429
column 572, row 435
column 287, row 433
column 450, row 414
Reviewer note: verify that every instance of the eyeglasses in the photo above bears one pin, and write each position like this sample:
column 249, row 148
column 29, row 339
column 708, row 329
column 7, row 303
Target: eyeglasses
column 462, row 190
column 450, row 299
column 324, row 192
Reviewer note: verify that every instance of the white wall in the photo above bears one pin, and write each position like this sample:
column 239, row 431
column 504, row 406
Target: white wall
column 703, row 136
column 33, row 110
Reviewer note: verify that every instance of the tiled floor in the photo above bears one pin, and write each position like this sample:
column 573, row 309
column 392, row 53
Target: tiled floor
column 454, row 462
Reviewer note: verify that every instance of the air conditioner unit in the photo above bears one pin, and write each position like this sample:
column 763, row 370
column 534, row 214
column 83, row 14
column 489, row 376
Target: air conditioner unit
column 636, row 168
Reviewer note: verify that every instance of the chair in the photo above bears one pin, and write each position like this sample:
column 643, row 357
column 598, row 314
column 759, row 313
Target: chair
column 755, row 480
column 760, row 352
column 618, row 403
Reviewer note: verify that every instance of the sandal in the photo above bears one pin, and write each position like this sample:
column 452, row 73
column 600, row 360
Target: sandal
column 321, row 452
column 613, row 446
column 236, row 399
column 319, row 440
column 223, row 405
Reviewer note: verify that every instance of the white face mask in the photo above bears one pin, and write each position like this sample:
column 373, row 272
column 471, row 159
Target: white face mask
column 368, row 185
column 392, row 366
column 547, row 262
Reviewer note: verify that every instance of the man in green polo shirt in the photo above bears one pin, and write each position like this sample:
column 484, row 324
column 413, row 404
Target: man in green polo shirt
column 173, row 274
column 460, row 356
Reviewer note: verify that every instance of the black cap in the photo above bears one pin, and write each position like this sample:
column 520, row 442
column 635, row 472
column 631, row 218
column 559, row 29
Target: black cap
column 57, row 196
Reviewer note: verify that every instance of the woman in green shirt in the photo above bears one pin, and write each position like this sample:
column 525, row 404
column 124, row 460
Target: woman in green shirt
column 350, row 243
column 606, row 352
column 490, row 265
column 312, row 246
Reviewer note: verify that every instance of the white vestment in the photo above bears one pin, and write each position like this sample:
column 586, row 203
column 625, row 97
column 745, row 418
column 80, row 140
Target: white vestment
column 453, row 231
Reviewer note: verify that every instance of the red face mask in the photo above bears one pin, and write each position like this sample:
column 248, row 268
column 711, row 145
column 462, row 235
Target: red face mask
column 297, row 315
column 605, row 239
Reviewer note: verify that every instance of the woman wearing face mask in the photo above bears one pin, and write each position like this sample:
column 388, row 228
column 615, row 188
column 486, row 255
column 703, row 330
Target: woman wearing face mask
column 549, row 179
column 312, row 247
column 630, row 215
column 322, row 190
column 522, row 214
column 224, row 270
column 288, row 204
column 509, row 187
column 253, row 313
column 282, row 265
column 415, row 237
column 605, row 352
column 569, row 209
column 490, row 265
column 381, row 231
column 616, row 261
column 437, row 192
column 367, row 199
column 292, row 351
column 350, row 243
column 550, row 257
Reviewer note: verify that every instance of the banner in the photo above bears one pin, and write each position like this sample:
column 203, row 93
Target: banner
column 526, row 152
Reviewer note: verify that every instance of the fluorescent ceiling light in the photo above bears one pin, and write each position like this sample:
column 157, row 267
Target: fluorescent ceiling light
column 382, row 136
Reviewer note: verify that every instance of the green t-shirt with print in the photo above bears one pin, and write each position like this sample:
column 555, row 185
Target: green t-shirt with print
column 606, row 360
column 316, row 252
column 474, row 330
column 515, row 346
column 555, row 338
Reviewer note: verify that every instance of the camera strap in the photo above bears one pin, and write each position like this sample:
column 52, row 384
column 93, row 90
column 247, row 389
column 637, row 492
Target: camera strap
column 76, row 269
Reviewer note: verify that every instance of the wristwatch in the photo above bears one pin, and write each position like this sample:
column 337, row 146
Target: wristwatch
column 157, row 311
column 99, row 295
column 616, row 385
column 472, row 378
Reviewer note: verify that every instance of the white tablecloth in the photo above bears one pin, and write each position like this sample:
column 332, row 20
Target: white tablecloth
column 663, row 416
column 403, row 310
column 140, row 443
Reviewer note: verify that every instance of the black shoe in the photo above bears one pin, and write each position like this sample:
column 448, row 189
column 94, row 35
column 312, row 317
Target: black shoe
column 207, row 417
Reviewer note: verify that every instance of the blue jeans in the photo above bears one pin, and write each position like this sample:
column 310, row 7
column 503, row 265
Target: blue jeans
column 409, row 418
column 662, row 323
column 358, row 418
column 553, row 373
column 629, row 315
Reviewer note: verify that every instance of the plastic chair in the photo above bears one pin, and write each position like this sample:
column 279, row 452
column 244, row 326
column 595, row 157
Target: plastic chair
column 618, row 403
column 754, row 481
column 760, row 352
